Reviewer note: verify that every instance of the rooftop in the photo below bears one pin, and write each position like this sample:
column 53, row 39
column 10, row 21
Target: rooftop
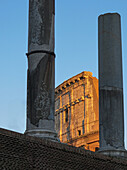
column 18, row 151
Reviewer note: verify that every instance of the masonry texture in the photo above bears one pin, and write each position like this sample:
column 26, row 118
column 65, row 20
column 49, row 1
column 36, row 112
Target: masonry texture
column 76, row 111
column 110, row 82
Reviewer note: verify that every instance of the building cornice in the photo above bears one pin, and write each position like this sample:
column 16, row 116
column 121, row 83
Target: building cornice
column 75, row 79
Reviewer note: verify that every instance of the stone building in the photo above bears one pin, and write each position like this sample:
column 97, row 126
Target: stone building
column 77, row 111
column 76, row 104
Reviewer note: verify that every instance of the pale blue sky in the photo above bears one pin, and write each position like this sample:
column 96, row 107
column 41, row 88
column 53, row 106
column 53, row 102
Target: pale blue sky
column 76, row 49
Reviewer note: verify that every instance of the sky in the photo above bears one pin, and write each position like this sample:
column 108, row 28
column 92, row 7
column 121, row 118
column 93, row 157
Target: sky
column 76, row 48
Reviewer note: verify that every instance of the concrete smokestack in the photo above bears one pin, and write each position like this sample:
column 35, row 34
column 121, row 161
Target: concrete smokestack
column 41, row 69
column 111, row 113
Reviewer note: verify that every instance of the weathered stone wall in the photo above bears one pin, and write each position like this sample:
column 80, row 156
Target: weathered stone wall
column 76, row 111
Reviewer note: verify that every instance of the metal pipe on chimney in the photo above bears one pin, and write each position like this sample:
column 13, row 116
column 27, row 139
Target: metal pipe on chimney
column 41, row 69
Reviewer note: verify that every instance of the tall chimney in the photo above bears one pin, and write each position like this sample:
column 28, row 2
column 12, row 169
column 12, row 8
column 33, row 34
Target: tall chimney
column 111, row 113
column 41, row 69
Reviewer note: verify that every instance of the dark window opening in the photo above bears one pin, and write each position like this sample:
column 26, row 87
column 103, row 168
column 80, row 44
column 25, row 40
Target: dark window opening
column 66, row 114
column 83, row 130
column 79, row 132
column 71, row 83
column 81, row 78
column 82, row 146
column 96, row 149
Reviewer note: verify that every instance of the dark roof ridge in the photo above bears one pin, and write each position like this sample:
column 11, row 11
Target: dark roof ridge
column 61, row 146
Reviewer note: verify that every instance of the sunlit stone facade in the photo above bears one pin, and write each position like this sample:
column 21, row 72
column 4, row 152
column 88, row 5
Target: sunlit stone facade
column 77, row 111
